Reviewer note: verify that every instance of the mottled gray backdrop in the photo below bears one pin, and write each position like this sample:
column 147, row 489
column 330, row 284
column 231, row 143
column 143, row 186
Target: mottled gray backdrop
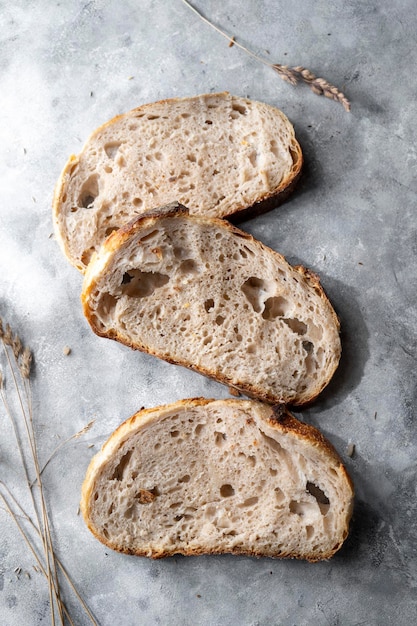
column 67, row 67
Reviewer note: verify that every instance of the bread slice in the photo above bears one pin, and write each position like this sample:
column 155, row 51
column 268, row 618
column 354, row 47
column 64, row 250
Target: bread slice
column 216, row 476
column 201, row 293
column 219, row 154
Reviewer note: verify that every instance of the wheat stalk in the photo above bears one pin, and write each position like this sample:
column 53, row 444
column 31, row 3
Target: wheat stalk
column 25, row 516
column 291, row 75
column 19, row 360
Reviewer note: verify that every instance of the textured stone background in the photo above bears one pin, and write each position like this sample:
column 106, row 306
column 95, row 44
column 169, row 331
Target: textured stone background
column 67, row 67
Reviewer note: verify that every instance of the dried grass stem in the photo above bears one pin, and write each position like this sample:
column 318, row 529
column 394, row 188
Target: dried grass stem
column 19, row 361
column 291, row 75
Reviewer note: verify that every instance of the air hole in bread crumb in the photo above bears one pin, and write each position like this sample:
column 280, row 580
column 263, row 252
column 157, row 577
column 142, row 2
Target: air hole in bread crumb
column 120, row 469
column 301, row 508
column 89, row 192
column 239, row 108
column 297, row 326
column 253, row 158
column 184, row 479
column 174, row 433
column 199, row 429
column 309, row 532
column 143, row 284
column 150, row 235
column 219, row 438
column 219, row 320
column 276, row 306
column 112, row 148
column 107, row 303
column 317, row 493
column 110, row 230
column 189, row 266
column 226, row 491
column 249, row 502
column 254, row 290
column 279, row 495
column 128, row 514
column 209, row 304
column 308, row 346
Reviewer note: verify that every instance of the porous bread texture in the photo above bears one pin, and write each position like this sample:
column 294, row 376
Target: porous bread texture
column 225, row 476
column 217, row 153
column 201, row 293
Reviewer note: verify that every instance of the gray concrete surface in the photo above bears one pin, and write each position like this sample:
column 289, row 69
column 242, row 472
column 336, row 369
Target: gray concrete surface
column 67, row 67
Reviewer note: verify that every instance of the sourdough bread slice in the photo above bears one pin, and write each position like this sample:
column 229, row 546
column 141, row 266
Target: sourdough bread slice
column 218, row 476
column 219, row 154
column 201, row 293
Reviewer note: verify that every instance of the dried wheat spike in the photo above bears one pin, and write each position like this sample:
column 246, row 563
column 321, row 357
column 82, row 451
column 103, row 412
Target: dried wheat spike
column 25, row 363
column 8, row 336
column 319, row 86
column 286, row 73
column 289, row 74
column 16, row 346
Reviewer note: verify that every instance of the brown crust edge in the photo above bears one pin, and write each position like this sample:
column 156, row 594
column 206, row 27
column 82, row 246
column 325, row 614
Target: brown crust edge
column 265, row 204
column 280, row 419
column 118, row 238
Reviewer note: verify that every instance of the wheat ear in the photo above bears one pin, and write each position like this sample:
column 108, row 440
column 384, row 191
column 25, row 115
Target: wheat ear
column 291, row 75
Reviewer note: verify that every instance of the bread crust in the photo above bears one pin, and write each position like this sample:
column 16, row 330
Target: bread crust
column 241, row 210
column 277, row 417
column 119, row 237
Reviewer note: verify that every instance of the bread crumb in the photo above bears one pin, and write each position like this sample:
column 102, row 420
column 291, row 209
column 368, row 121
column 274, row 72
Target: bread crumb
column 66, row 350
column 350, row 450
column 234, row 392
